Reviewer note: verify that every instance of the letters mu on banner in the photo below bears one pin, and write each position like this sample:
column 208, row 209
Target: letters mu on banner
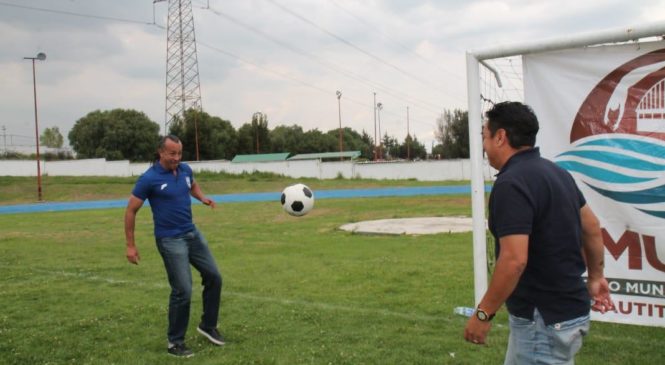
column 602, row 117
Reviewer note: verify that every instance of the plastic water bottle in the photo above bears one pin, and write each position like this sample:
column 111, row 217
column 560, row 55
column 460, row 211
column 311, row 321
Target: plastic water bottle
column 464, row 311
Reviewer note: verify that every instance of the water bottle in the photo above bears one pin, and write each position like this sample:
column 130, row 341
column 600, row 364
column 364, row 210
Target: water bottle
column 464, row 311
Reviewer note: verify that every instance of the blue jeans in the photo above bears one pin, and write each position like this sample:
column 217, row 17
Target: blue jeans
column 533, row 342
column 178, row 253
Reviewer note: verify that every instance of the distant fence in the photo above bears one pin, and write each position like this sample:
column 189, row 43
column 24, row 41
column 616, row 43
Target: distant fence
column 431, row 170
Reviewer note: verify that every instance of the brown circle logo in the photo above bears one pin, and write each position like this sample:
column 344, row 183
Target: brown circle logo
column 618, row 105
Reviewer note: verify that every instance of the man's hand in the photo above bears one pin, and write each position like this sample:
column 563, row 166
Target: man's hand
column 133, row 255
column 476, row 330
column 209, row 202
column 600, row 293
column 133, row 206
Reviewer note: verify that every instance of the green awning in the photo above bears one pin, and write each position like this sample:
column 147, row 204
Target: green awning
column 261, row 157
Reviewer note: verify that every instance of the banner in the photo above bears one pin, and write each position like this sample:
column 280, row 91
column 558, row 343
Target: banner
column 602, row 117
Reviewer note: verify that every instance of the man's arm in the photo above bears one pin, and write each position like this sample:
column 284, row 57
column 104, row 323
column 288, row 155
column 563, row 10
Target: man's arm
column 133, row 207
column 594, row 254
column 198, row 194
column 509, row 268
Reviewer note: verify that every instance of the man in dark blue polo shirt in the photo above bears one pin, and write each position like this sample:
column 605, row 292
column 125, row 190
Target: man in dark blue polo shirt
column 168, row 184
column 547, row 237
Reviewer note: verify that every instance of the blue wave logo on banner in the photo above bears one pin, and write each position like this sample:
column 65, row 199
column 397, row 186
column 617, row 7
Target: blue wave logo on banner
column 623, row 167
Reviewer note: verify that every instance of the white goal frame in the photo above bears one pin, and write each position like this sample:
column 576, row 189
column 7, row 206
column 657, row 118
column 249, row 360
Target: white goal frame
column 473, row 61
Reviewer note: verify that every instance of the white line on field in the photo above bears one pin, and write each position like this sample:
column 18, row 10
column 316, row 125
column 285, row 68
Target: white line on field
column 287, row 302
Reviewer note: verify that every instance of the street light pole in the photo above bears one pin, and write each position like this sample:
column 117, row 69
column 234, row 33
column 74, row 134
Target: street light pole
column 257, row 117
column 40, row 56
column 4, row 137
column 375, row 127
column 408, row 137
column 379, row 106
column 339, row 108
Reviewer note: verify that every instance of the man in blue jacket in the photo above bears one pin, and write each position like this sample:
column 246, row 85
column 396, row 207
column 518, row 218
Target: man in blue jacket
column 168, row 184
column 547, row 237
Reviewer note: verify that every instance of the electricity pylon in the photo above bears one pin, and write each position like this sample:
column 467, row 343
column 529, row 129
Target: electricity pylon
column 183, row 89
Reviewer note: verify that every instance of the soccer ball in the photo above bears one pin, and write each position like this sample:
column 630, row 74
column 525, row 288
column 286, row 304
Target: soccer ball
column 297, row 199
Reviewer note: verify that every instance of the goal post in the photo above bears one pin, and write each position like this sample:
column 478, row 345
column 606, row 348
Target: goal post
column 475, row 60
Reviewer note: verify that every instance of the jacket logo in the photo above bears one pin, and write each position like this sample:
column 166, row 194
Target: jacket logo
column 163, row 186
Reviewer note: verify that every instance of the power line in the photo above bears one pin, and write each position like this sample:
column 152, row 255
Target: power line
column 70, row 13
column 357, row 48
column 289, row 77
column 388, row 37
column 280, row 74
column 373, row 84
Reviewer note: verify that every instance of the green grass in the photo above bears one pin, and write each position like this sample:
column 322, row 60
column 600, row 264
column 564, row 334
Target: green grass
column 296, row 290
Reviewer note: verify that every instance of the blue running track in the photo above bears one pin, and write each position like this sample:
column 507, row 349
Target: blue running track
column 248, row 197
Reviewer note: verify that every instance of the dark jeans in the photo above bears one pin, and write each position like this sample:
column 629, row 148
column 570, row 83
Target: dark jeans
column 178, row 253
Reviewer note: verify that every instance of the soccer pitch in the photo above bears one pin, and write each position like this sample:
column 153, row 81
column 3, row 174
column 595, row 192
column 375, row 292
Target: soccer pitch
column 296, row 290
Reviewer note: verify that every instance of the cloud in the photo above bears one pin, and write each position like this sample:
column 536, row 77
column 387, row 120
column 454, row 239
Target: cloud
column 283, row 57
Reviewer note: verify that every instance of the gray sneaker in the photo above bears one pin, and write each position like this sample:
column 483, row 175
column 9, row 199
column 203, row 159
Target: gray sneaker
column 212, row 335
column 179, row 350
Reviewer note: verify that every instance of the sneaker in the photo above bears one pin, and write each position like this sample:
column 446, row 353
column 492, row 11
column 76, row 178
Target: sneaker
column 212, row 335
column 179, row 350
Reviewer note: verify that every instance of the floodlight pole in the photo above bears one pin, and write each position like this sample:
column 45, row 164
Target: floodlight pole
column 339, row 108
column 40, row 56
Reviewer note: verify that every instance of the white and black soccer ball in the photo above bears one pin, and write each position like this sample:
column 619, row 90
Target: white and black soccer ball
column 297, row 199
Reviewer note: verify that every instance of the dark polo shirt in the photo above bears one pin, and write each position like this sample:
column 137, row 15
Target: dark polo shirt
column 534, row 196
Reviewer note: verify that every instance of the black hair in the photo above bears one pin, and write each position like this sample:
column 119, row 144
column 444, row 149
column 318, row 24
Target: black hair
column 162, row 143
column 517, row 119
column 171, row 137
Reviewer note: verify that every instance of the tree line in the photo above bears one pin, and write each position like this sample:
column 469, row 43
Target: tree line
column 125, row 134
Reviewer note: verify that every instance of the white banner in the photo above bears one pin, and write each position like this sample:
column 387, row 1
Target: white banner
column 602, row 117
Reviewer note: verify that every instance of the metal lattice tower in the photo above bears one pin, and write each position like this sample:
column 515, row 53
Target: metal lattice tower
column 183, row 89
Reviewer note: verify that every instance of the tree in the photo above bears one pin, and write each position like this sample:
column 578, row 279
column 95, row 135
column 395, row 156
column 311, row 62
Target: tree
column 367, row 146
column 418, row 150
column 390, row 147
column 287, row 139
column 437, row 152
column 352, row 141
column 315, row 141
column 412, row 149
column 51, row 137
column 452, row 132
column 254, row 137
column 115, row 135
column 216, row 138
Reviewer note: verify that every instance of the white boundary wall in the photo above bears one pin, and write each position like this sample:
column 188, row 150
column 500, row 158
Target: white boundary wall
column 432, row 170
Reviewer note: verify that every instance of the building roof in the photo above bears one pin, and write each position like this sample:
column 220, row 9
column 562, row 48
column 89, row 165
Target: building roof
column 261, row 157
column 326, row 155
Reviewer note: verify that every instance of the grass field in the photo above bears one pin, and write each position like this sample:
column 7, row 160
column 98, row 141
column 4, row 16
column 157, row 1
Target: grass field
column 296, row 290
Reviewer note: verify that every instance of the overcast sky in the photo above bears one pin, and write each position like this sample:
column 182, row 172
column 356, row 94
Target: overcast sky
column 285, row 58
